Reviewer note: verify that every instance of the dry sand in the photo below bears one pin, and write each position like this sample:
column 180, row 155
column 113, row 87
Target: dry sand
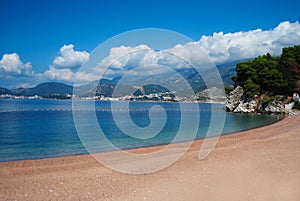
column 259, row 164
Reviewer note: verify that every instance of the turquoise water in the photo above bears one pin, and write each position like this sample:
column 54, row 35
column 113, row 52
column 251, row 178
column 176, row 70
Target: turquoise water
column 32, row 129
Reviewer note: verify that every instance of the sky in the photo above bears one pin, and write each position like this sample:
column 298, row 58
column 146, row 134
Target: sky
column 49, row 40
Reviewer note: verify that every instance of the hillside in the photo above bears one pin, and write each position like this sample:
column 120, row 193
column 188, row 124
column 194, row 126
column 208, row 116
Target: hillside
column 268, row 74
column 4, row 91
column 44, row 89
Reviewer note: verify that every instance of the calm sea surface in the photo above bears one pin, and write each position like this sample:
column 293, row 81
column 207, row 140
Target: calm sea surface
column 32, row 129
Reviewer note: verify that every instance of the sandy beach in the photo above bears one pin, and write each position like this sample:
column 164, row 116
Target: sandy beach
column 259, row 164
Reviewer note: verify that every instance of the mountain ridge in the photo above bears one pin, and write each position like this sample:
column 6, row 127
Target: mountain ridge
column 43, row 89
column 105, row 87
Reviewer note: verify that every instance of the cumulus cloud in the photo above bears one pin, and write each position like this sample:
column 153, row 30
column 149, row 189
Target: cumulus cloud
column 69, row 58
column 122, row 59
column 219, row 48
column 125, row 58
column 240, row 45
column 122, row 56
column 59, row 74
column 85, row 77
column 15, row 73
column 63, row 66
column 67, row 75
column 187, row 53
column 11, row 64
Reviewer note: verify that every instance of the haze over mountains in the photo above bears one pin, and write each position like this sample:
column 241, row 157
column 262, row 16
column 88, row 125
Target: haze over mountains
column 105, row 87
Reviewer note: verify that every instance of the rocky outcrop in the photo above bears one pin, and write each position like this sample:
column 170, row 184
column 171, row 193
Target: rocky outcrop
column 237, row 103
column 289, row 107
column 234, row 99
column 246, row 107
column 272, row 107
column 280, row 107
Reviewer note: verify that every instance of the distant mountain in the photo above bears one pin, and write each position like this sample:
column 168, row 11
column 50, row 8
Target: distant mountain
column 105, row 87
column 227, row 70
column 4, row 91
column 44, row 89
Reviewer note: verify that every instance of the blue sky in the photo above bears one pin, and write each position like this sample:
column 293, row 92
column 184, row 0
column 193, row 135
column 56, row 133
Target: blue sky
column 37, row 30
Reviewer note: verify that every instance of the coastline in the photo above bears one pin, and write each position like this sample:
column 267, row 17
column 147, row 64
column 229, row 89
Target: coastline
column 257, row 164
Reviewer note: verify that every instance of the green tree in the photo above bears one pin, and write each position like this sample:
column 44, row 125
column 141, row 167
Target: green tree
column 251, row 88
column 261, row 75
column 289, row 65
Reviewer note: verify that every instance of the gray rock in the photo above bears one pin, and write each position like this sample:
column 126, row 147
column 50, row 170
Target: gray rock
column 289, row 106
column 234, row 99
column 236, row 103
column 273, row 107
column 246, row 107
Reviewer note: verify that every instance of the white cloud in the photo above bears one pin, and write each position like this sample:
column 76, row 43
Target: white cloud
column 11, row 64
column 233, row 46
column 67, row 75
column 220, row 48
column 69, row 58
column 123, row 56
column 14, row 73
column 187, row 53
column 122, row 59
column 82, row 77
column 59, row 74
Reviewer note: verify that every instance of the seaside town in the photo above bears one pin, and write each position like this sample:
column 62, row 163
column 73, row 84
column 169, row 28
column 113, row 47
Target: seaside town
column 208, row 95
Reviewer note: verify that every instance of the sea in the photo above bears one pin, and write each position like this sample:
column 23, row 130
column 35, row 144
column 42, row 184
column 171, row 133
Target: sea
column 43, row 128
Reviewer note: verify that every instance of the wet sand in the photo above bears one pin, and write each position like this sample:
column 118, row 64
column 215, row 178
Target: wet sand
column 259, row 164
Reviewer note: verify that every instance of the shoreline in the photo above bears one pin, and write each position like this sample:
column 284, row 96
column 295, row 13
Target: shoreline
column 280, row 118
column 256, row 164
